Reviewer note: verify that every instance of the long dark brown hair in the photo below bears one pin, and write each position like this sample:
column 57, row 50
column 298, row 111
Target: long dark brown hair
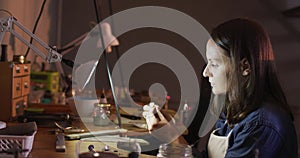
column 246, row 39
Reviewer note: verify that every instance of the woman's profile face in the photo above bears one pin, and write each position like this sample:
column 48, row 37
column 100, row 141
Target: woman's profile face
column 217, row 67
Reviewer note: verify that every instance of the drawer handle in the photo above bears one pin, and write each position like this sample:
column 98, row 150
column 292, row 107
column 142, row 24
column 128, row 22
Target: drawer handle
column 25, row 85
column 26, row 68
column 18, row 69
column 18, row 87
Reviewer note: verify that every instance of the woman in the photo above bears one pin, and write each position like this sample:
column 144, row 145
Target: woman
column 256, row 119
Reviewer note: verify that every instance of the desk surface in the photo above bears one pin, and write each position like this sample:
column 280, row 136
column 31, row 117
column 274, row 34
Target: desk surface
column 44, row 145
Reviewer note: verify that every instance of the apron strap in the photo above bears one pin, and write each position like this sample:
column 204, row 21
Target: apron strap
column 217, row 145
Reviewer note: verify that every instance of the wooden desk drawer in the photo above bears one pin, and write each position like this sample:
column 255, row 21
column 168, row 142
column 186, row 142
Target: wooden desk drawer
column 26, row 69
column 21, row 69
column 17, row 70
column 18, row 106
column 17, row 87
column 25, row 85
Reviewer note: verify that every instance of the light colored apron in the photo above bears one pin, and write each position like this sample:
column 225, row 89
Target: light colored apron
column 217, row 145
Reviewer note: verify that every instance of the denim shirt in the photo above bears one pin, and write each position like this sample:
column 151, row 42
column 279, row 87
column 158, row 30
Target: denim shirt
column 266, row 132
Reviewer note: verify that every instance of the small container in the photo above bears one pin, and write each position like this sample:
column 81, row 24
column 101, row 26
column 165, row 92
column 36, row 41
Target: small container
column 22, row 142
column 184, row 114
column 101, row 114
column 59, row 98
column 174, row 150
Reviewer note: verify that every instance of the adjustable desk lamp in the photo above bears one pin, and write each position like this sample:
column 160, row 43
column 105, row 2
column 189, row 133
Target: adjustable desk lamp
column 6, row 25
column 51, row 55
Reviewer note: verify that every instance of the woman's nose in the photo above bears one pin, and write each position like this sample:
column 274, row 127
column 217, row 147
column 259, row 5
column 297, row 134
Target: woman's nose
column 206, row 72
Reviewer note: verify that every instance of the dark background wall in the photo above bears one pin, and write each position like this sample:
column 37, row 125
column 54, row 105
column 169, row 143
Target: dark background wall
column 149, row 73
column 284, row 32
column 64, row 21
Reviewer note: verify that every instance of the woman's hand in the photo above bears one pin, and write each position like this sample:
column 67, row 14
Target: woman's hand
column 157, row 118
column 151, row 120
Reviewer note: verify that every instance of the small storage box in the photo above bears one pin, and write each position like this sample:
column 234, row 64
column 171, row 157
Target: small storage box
column 8, row 142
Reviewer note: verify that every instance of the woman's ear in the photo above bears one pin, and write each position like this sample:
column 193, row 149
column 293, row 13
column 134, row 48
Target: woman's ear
column 245, row 67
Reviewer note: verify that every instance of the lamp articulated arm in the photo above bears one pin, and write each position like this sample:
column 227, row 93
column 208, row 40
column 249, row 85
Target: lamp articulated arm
column 6, row 25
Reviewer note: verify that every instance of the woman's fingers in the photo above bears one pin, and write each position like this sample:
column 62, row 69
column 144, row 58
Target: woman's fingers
column 147, row 108
column 150, row 119
column 161, row 116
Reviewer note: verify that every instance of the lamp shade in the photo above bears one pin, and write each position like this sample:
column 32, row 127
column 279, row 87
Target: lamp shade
column 109, row 39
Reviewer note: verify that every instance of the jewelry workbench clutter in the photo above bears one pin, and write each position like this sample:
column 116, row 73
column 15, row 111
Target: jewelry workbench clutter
column 60, row 130
column 43, row 121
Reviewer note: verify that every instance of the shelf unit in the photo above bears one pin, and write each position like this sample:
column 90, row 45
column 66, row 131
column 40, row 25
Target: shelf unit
column 14, row 89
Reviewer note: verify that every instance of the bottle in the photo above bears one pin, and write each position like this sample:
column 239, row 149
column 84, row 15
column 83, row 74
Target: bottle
column 184, row 113
column 101, row 114
column 62, row 98
column 103, row 99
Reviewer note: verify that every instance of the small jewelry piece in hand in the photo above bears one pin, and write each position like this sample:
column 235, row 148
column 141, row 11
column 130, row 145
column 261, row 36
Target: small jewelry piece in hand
column 148, row 114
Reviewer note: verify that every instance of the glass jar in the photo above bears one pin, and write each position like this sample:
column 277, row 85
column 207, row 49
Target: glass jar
column 101, row 114
column 174, row 151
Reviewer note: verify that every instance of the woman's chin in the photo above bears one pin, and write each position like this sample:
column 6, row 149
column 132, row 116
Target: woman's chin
column 217, row 92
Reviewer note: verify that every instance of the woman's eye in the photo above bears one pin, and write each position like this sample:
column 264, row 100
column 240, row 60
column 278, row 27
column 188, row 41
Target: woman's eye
column 214, row 65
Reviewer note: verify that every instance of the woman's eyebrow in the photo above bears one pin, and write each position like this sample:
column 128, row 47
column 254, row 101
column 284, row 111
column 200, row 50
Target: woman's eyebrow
column 214, row 59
